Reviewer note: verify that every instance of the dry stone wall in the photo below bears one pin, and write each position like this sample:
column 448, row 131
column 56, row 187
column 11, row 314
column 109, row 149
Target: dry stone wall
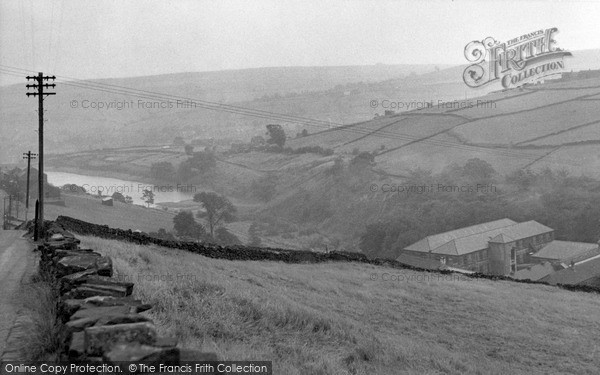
column 102, row 321
column 239, row 252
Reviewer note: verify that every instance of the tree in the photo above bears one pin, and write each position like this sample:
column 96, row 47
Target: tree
column 118, row 197
column 372, row 240
column 162, row 234
column 189, row 149
column 203, row 161
column 217, row 209
column 264, row 188
column 184, row 171
column 225, row 237
column 365, row 158
column 276, row 134
column 148, row 196
column 162, row 170
column 337, row 168
column 178, row 141
column 523, row 179
column 74, row 189
column 478, row 169
column 185, row 226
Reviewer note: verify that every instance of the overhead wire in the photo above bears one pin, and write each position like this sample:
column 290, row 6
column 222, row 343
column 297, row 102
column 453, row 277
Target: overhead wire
column 121, row 90
column 115, row 89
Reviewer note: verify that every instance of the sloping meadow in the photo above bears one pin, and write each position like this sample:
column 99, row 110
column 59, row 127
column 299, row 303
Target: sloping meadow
column 347, row 317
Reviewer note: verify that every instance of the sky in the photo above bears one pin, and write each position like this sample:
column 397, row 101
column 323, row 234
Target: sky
column 102, row 39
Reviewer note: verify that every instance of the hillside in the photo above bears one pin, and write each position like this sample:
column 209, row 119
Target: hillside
column 140, row 218
column 553, row 125
column 339, row 318
column 510, row 129
column 329, row 95
column 151, row 121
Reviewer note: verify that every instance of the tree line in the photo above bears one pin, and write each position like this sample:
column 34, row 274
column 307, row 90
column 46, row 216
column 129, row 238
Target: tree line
column 570, row 205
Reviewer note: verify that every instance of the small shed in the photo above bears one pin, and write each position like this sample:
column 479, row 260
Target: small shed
column 108, row 201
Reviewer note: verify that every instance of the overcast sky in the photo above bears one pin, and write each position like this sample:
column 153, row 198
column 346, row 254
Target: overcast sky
column 98, row 39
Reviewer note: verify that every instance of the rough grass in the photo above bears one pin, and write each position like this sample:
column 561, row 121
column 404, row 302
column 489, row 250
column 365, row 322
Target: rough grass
column 41, row 339
column 342, row 318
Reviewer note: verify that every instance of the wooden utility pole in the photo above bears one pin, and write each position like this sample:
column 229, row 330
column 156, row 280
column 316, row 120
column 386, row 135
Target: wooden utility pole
column 40, row 78
column 28, row 155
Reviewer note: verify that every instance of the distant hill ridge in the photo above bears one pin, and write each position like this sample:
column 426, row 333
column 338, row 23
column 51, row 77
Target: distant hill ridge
column 335, row 95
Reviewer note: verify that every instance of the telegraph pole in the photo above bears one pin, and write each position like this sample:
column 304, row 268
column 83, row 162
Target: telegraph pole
column 28, row 155
column 40, row 78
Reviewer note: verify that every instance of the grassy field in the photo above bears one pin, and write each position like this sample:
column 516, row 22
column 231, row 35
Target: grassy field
column 535, row 123
column 346, row 318
column 121, row 215
column 128, row 216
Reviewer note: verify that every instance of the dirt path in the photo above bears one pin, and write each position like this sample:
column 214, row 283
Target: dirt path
column 15, row 259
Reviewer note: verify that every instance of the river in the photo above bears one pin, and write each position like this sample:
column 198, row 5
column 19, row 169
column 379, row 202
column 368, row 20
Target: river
column 134, row 189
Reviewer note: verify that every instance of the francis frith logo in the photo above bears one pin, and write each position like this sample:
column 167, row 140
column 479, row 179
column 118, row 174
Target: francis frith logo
column 525, row 59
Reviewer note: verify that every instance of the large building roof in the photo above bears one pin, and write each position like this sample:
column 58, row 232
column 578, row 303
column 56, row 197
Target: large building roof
column 567, row 250
column 434, row 241
column 534, row 272
column 476, row 237
column 582, row 272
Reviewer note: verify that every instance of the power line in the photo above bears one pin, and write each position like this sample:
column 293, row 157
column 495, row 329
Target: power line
column 121, row 90
column 272, row 116
column 174, row 98
column 408, row 138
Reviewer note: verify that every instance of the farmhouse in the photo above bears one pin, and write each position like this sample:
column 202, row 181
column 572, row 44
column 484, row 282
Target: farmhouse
column 108, row 201
column 501, row 247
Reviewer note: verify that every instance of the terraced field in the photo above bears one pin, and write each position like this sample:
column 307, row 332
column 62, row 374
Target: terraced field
column 523, row 128
column 515, row 101
column 581, row 133
column 336, row 136
column 519, row 127
column 555, row 125
column 437, row 152
column 404, row 130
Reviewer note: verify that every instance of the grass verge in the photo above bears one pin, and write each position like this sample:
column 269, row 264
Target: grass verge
column 41, row 339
